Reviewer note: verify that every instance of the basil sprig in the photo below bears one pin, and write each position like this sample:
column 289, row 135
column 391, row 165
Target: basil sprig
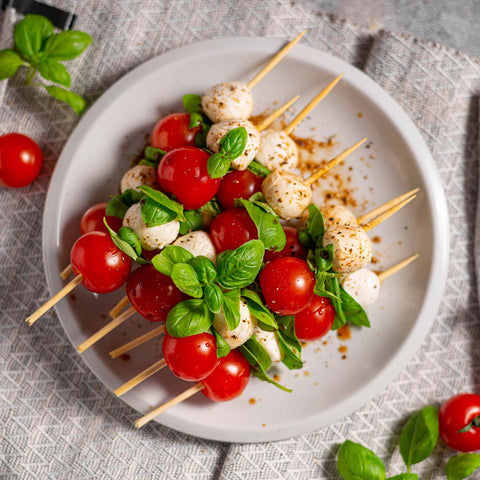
column 127, row 242
column 118, row 205
column 258, row 169
column 356, row 462
column 158, row 209
column 193, row 105
column 41, row 50
column 189, row 317
column 461, row 466
column 169, row 257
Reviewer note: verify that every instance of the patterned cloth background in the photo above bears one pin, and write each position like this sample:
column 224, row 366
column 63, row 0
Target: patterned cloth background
column 57, row 421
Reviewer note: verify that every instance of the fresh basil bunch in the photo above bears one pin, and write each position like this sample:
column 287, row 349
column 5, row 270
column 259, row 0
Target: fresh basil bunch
column 193, row 105
column 41, row 50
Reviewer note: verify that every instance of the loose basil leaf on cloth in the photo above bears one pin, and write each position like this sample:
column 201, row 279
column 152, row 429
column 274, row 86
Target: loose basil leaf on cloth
column 189, row 317
column 289, row 343
column 75, row 101
column 315, row 224
column 324, row 258
column 186, row 280
column 118, row 205
column 213, row 297
column 158, row 209
column 126, row 244
column 419, row 435
column 404, row 476
column 169, row 256
column 54, row 71
column 258, row 169
column 356, row 462
column 10, row 61
column 231, row 308
column 193, row 222
column 29, row 34
column 67, row 45
column 223, row 349
column 266, row 319
column 462, row 465
column 205, row 269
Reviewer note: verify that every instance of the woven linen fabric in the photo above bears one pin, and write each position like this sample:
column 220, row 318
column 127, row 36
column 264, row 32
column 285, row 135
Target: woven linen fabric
column 57, row 420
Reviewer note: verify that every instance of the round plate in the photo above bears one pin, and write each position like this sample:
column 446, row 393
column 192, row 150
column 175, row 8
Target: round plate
column 396, row 160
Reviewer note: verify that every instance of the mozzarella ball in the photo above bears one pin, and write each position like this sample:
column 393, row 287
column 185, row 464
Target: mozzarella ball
column 151, row 238
column 197, row 243
column 138, row 176
column 286, row 193
column 277, row 150
column 335, row 215
column 269, row 341
column 227, row 101
column 363, row 285
column 352, row 248
column 242, row 333
column 219, row 130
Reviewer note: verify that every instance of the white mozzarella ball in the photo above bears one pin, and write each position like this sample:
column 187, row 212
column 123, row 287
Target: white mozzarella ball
column 286, row 193
column 138, row 176
column 336, row 215
column 269, row 341
column 363, row 285
column 197, row 243
column 277, row 150
column 352, row 248
column 219, row 130
column 151, row 238
column 227, row 101
column 242, row 333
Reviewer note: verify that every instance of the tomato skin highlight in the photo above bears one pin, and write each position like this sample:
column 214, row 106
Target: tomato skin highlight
column 152, row 293
column 92, row 220
column 190, row 358
column 20, row 160
column 229, row 378
column 457, row 412
column 287, row 285
column 315, row 320
column 293, row 247
column 172, row 132
column 104, row 267
column 238, row 184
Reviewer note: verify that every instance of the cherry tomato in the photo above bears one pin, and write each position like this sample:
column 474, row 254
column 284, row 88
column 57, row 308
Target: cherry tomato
column 231, row 229
column 152, row 293
column 454, row 415
column 92, row 220
column 104, row 267
column 191, row 358
column 20, row 160
column 229, row 378
column 287, row 285
column 238, row 184
column 172, row 132
column 315, row 320
column 293, row 247
column 183, row 173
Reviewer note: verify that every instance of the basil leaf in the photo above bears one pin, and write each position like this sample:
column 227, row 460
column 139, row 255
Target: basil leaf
column 419, row 435
column 155, row 214
column 258, row 169
column 54, row 71
column 192, row 103
column 10, row 61
column 238, row 268
column 231, row 308
column 205, row 269
column 152, row 153
column 169, row 257
column 185, row 278
column 404, row 476
column 210, row 209
column 461, row 466
column 193, row 222
column 196, row 120
column 189, row 317
column 75, row 101
column 289, row 343
column 213, row 297
column 129, row 236
column 29, row 34
column 223, row 349
column 118, row 205
column 324, row 258
column 124, row 245
column 353, row 310
column 163, row 204
column 266, row 319
column 323, row 286
column 315, row 224
column 233, row 143
column 201, row 136
column 218, row 165
column 67, row 45
column 257, row 197
column 305, row 239
column 356, row 462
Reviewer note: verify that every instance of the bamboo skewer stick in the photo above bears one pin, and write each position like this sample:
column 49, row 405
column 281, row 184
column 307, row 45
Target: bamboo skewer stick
column 382, row 276
column 66, row 272
column 119, row 307
column 266, row 122
column 274, row 61
column 136, row 342
column 381, row 218
column 147, row 373
column 55, row 299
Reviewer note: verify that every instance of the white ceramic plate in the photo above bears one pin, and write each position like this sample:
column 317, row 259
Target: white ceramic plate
column 113, row 131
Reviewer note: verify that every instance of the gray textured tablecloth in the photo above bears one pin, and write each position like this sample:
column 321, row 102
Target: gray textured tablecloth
column 58, row 421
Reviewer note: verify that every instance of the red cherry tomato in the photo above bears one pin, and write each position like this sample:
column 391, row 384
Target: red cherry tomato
column 231, row 229
column 454, row 415
column 287, row 285
column 238, row 184
column 293, row 247
column 183, row 173
column 20, row 160
column 172, row 132
column 315, row 320
column 229, row 378
column 92, row 220
column 104, row 267
column 191, row 358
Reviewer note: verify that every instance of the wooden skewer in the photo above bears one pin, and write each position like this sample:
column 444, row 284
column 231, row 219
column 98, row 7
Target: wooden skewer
column 136, row 342
column 274, row 61
column 174, row 401
column 332, row 163
column 311, row 105
column 266, row 122
column 56, row 298
column 66, row 272
column 148, row 372
column 382, row 276
column 119, row 307
column 384, row 207
column 106, row 329
column 377, row 220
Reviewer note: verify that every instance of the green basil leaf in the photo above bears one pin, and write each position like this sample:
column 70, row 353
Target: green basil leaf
column 193, row 222
column 196, row 120
column 163, row 201
column 54, row 71
column 223, row 349
column 155, row 214
column 10, row 61
column 305, row 239
column 205, row 269
column 213, row 297
column 67, row 45
column 353, row 310
column 289, row 343
column 185, row 278
column 238, row 268
column 419, row 435
column 29, row 34
column 324, row 258
column 404, row 476
column 124, row 245
column 152, row 153
column 201, row 136
column 118, row 205
column 218, row 165
column 266, row 319
column 356, row 462
column 257, row 197
column 189, row 317
column 231, row 308
column 129, row 236
column 233, row 143
column 312, row 263
column 169, row 257
column 210, row 209
column 71, row 98
column 323, row 286
column 315, row 224
column 192, row 103
column 461, row 466
column 258, row 169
